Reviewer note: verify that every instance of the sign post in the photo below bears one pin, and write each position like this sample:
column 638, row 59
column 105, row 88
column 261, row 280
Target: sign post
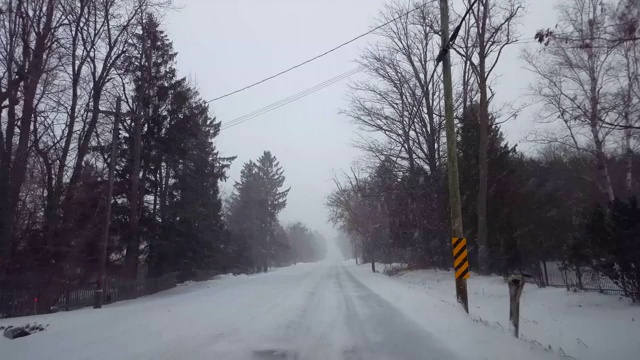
column 461, row 268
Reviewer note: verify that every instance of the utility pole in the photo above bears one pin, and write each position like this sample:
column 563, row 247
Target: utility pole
column 102, row 267
column 452, row 151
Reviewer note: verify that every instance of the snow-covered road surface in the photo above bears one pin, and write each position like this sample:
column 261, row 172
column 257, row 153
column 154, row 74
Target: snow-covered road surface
column 329, row 314
column 307, row 311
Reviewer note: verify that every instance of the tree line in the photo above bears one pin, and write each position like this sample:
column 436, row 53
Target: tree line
column 571, row 199
column 63, row 66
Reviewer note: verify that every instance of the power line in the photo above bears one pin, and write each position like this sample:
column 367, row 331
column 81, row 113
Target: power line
column 445, row 48
column 290, row 99
column 318, row 56
column 455, row 33
column 347, row 74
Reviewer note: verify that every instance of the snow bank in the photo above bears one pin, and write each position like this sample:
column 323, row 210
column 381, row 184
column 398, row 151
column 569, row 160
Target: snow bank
column 588, row 326
column 193, row 321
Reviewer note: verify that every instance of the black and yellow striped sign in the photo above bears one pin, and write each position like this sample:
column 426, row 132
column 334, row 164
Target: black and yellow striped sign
column 460, row 258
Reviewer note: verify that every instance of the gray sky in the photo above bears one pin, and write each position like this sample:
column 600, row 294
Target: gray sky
column 227, row 44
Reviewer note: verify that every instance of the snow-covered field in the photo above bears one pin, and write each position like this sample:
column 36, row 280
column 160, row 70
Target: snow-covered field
column 581, row 325
column 326, row 310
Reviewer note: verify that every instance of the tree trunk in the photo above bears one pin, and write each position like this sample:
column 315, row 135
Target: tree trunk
column 373, row 257
column 15, row 177
column 83, row 148
column 627, row 117
column 483, row 166
column 483, row 184
column 629, row 164
column 594, row 119
column 601, row 159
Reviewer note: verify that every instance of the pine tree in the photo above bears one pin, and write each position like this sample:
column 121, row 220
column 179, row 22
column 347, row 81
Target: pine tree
column 198, row 208
column 272, row 179
column 182, row 228
column 502, row 185
column 255, row 205
column 243, row 219
column 150, row 68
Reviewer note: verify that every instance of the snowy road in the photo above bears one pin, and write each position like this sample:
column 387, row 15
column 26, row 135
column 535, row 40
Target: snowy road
column 308, row 311
column 320, row 311
column 335, row 316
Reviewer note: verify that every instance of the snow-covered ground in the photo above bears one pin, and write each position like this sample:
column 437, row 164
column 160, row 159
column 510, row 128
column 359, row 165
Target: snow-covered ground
column 581, row 325
column 326, row 310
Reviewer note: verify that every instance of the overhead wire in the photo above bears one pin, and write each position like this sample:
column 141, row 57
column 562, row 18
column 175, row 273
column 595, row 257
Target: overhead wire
column 283, row 102
column 444, row 50
column 278, row 104
column 318, row 56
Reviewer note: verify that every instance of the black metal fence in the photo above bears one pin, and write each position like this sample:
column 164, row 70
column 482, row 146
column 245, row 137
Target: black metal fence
column 26, row 302
column 583, row 278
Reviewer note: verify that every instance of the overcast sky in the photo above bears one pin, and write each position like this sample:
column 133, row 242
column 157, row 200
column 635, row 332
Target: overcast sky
column 227, row 44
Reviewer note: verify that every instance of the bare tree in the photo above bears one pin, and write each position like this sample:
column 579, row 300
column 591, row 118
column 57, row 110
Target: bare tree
column 627, row 21
column 57, row 59
column 401, row 99
column 576, row 78
column 358, row 209
column 28, row 37
column 105, row 41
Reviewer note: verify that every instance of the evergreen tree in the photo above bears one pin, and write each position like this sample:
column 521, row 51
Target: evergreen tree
column 271, row 180
column 150, row 71
column 181, row 229
column 255, row 205
column 198, row 206
column 243, row 211
column 502, row 185
column 610, row 244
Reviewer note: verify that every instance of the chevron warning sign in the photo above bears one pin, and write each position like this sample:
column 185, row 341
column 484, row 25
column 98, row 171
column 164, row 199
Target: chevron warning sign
column 460, row 258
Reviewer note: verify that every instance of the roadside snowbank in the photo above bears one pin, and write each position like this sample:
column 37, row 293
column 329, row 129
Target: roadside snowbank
column 581, row 325
column 193, row 321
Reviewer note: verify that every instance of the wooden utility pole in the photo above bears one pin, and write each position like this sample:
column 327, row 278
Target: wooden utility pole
column 452, row 151
column 102, row 267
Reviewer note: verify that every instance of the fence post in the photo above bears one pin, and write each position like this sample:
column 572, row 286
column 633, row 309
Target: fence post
column 546, row 274
column 66, row 298
column 579, row 277
column 566, row 276
column 516, row 285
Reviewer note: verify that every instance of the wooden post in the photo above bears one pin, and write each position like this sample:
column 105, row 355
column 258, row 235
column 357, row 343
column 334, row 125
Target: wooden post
column 546, row 273
column 516, row 284
column 452, row 150
column 102, row 267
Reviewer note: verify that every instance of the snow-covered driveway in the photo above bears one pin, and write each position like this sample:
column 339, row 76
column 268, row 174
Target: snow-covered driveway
column 308, row 311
